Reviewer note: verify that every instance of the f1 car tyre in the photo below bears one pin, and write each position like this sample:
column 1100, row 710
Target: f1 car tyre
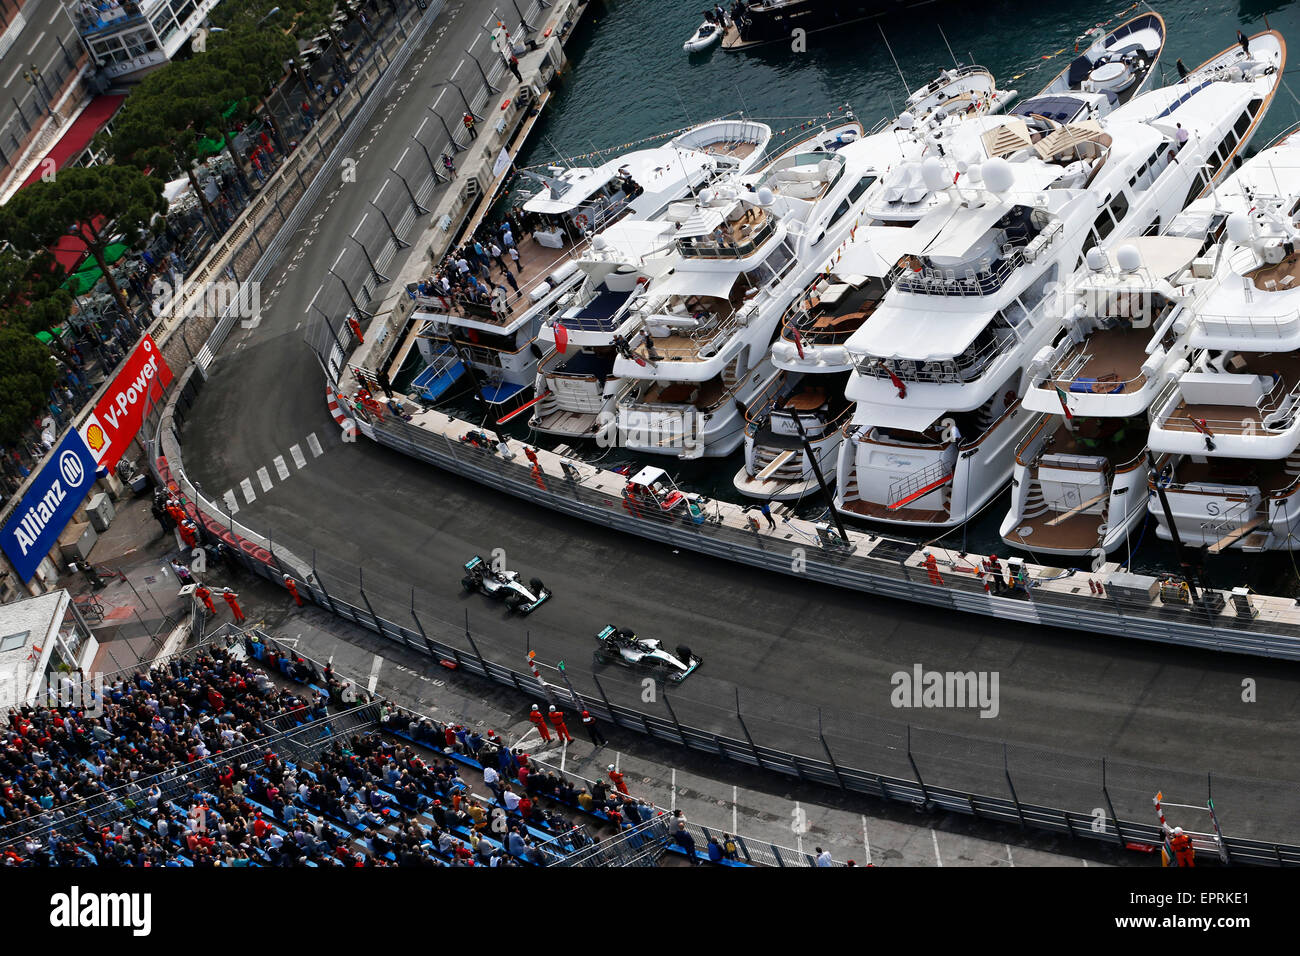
column 470, row 584
column 536, row 586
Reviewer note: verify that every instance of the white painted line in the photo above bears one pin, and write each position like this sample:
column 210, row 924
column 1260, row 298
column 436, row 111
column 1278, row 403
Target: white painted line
column 937, row 858
column 232, row 504
column 10, row 81
column 477, row 37
column 527, row 733
column 457, row 70
column 246, row 487
column 416, row 134
column 866, row 840
column 264, row 477
column 1009, row 857
column 564, row 753
column 798, row 837
column 299, row 459
column 439, row 99
column 402, row 157
column 342, row 253
column 374, row 673
column 313, row 298
column 58, row 8
column 314, row 444
column 281, row 468
column 36, row 43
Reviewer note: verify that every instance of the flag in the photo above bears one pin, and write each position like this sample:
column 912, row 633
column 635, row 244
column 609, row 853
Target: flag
column 561, row 338
column 798, row 340
column 898, row 382
column 501, row 165
column 1065, row 404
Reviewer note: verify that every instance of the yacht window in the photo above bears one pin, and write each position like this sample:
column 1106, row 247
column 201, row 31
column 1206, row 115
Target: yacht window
column 1255, row 104
column 1243, row 124
column 1119, row 207
column 862, row 186
column 841, row 211
column 1103, row 224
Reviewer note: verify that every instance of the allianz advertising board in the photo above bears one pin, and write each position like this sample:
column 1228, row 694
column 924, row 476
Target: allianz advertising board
column 50, row 502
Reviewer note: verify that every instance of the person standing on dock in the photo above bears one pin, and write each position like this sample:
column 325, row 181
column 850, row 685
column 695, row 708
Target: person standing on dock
column 470, row 123
column 513, row 64
column 449, row 165
column 556, row 718
column 765, row 509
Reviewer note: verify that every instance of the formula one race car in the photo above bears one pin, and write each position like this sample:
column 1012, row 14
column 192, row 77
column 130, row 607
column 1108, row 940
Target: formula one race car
column 504, row 586
column 621, row 646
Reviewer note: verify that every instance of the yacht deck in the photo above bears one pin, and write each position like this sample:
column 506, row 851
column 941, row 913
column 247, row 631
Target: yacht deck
column 1108, row 362
column 1283, row 367
column 1285, row 275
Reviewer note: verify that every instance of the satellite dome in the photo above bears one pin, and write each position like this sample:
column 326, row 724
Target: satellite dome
column 765, row 196
column 1239, row 228
column 934, row 173
column 998, row 174
column 599, row 243
column 1128, row 259
column 906, row 120
column 1096, row 259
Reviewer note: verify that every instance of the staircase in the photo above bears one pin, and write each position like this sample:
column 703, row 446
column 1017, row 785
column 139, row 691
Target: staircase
column 1292, row 464
column 919, row 484
column 1035, row 503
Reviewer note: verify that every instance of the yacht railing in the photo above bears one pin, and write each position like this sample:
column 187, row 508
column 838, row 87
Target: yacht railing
column 1031, row 448
column 1065, row 376
column 1255, row 418
column 935, row 281
column 705, row 248
column 964, row 368
column 932, row 476
column 1246, row 325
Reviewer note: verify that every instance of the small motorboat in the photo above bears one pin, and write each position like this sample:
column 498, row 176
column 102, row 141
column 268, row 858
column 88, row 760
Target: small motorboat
column 708, row 34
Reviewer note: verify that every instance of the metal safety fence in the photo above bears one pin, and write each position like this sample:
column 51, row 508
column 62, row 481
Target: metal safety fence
column 989, row 779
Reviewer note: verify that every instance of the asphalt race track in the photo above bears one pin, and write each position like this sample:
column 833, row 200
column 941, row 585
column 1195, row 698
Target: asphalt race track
column 792, row 647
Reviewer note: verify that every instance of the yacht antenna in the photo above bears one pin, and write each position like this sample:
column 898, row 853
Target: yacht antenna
column 557, row 153
column 741, row 94
column 685, row 111
column 948, row 45
column 894, row 58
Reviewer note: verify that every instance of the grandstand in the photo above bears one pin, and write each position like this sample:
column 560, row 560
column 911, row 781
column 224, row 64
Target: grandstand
column 239, row 752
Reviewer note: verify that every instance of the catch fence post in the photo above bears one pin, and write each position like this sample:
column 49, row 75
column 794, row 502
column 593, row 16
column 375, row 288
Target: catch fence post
column 741, row 720
column 481, row 663
column 1119, row 834
column 1006, row 769
column 925, row 794
column 680, row 736
column 827, row 748
column 427, row 646
column 361, row 587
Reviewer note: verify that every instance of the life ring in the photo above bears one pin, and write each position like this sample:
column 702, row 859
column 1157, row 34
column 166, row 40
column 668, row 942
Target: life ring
column 581, row 221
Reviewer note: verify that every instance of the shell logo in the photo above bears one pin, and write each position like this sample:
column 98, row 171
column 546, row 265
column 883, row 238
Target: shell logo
column 96, row 438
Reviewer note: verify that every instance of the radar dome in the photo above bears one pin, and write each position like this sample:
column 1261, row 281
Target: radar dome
column 906, row 120
column 1239, row 228
column 765, row 196
column 1096, row 259
column 998, row 174
column 599, row 243
column 934, row 174
column 1128, row 259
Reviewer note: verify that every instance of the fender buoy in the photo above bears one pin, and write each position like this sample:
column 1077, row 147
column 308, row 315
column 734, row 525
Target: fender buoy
column 505, row 104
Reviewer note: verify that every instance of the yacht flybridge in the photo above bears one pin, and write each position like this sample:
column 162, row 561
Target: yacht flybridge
column 1228, row 429
column 574, row 205
column 940, row 366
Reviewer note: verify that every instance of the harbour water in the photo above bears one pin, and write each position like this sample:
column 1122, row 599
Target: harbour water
column 629, row 79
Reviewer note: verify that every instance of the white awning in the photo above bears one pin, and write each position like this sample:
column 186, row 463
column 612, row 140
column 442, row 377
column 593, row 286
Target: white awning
column 1163, row 256
column 715, row 284
column 902, row 413
column 920, row 336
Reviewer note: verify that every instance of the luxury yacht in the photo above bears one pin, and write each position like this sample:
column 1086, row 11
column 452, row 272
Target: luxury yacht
column 1080, row 476
column 1227, row 431
column 838, row 301
column 939, row 368
column 574, row 205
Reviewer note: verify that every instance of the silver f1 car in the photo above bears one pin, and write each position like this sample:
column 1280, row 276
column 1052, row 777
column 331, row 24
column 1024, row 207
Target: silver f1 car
column 621, row 646
column 504, row 586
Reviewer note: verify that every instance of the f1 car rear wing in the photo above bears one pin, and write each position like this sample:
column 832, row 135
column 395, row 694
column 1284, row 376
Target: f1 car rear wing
column 609, row 630
column 473, row 563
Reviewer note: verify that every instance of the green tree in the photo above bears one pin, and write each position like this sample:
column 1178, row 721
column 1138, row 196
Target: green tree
column 94, row 203
column 27, row 371
column 31, row 293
